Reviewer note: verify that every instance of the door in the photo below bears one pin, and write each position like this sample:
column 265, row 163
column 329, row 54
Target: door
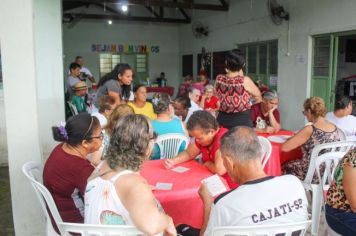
column 324, row 68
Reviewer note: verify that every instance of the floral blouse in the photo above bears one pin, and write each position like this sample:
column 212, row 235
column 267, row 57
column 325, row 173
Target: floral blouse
column 336, row 195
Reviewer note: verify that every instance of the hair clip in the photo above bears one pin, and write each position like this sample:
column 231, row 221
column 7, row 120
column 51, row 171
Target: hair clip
column 62, row 130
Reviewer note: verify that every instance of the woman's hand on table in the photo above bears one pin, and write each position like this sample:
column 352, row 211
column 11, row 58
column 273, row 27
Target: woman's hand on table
column 269, row 130
column 169, row 163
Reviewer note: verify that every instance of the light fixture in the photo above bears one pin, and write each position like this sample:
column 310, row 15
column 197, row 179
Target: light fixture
column 110, row 22
column 124, row 7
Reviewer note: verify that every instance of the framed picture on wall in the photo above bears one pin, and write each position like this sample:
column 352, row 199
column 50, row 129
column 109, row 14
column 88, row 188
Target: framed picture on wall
column 350, row 54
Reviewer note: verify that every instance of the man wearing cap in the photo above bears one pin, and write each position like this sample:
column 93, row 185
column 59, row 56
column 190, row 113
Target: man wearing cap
column 80, row 90
column 265, row 115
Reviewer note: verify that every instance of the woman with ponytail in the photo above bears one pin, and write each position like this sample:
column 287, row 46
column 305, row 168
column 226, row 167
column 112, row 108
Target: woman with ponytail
column 117, row 83
column 67, row 169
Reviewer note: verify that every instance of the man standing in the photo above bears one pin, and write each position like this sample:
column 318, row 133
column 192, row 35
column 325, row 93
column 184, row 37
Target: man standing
column 260, row 199
column 73, row 78
column 265, row 115
column 84, row 72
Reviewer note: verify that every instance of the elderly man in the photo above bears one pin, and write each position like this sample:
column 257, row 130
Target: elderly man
column 260, row 199
column 84, row 72
column 194, row 96
column 265, row 115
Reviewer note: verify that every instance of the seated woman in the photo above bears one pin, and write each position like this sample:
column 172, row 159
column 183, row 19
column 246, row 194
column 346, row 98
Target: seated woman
column 165, row 122
column 66, row 171
column 205, row 129
column 140, row 105
column 342, row 117
column 320, row 131
column 118, row 194
column 340, row 208
column 208, row 101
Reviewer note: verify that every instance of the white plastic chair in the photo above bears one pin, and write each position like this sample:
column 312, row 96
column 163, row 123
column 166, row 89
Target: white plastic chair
column 97, row 230
column 33, row 172
column 169, row 144
column 265, row 230
column 72, row 108
column 266, row 150
column 333, row 150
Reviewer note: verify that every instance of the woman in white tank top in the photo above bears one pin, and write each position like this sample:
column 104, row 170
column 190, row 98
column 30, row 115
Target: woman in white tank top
column 116, row 193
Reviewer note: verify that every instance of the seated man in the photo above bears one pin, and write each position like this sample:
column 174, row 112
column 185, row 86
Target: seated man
column 342, row 118
column 73, row 78
column 260, row 199
column 265, row 115
column 205, row 129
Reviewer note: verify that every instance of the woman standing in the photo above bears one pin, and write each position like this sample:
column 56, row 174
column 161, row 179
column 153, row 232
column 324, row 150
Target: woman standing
column 118, row 194
column 140, row 105
column 235, row 91
column 117, row 83
column 67, row 169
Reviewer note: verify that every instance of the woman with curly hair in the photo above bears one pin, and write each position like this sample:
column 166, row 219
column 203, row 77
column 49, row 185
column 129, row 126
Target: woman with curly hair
column 320, row 131
column 118, row 194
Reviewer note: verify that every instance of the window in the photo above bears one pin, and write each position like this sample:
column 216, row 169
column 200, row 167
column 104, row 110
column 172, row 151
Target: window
column 261, row 60
column 138, row 62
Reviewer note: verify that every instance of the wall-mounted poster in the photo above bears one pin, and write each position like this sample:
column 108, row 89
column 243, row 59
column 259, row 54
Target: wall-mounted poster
column 350, row 54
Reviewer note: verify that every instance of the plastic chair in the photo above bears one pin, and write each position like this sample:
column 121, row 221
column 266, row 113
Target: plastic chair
column 330, row 162
column 33, row 172
column 97, row 230
column 169, row 144
column 266, row 149
column 72, row 108
column 265, row 230
column 333, row 150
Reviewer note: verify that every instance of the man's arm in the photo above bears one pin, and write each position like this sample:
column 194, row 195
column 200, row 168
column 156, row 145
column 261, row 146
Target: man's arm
column 208, row 202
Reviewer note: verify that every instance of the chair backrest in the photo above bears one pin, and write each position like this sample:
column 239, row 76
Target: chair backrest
column 97, row 230
column 265, row 230
column 33, row 171
column 335, row 149
column 72, row 108
column 266, row 149
column 169, row 144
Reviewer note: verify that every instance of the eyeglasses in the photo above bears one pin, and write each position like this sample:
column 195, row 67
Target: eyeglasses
column 98, row 137
column 154, row 136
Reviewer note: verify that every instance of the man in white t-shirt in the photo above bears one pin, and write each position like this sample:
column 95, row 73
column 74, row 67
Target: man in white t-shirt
column 342, row 117
column 194, row 95
column 84, row 72
column 260, row 199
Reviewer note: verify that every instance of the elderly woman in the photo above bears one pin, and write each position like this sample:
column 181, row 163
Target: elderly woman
column 340, row 208
column 235, row 90
column 320, row 131
column 342, row 117
column 117, row 83
column 118, row 194
column 165, row 123
column 66, row 170
column 140, row 105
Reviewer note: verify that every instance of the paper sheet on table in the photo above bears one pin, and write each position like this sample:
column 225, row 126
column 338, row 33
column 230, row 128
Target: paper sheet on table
column 215, row 185
column 279, row 138
column 180, row 169
column 163, row 186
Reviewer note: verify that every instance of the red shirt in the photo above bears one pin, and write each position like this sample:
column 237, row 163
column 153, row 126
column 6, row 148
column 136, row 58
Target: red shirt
column 208, row 153
column 256, row 112
column 212, row 103
column 65, row 176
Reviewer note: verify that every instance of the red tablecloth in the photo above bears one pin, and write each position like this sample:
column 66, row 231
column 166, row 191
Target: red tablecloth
column 168, row 90
column 182, row 202
column 278, row 155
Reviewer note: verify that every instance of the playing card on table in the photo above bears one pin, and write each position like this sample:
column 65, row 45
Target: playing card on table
column 215, row 185
column 180, row 169
column 163, row 186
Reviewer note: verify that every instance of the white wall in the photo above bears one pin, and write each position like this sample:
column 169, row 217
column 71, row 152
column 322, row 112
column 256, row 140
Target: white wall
column 78, row 41
column 33, row 96
column 248, row 21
